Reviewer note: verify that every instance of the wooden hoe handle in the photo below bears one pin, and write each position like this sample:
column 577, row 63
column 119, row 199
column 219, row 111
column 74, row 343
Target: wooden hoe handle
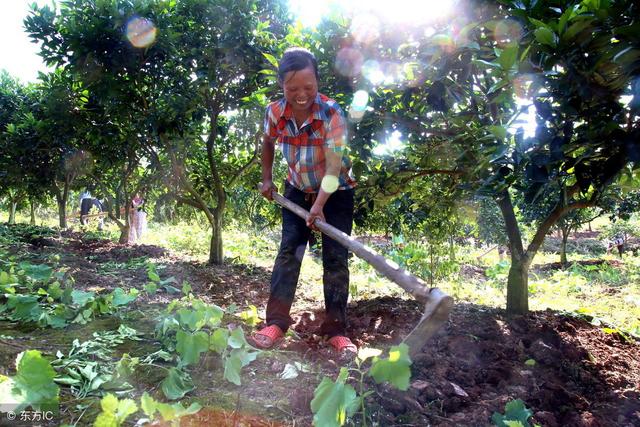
column 437, row 303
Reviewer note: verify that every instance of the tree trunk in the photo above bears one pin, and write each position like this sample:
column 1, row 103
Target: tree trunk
column 518, row 281
column 518, row 287
column 563, row 246
column 124, row 234
column 33, row 212
column 216, row 256
column 12, row 212
column 62, row 213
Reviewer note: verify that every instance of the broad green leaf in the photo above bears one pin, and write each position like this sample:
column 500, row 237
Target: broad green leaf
column 233, row 364
column 333, row 402
column 25, row 307
column 250, row 316
column 153, row 276
column 192, row 319
column 148, row 405
column 38, row 272
column 514, row 412
column 237, row 339
column 219, row 339
column 498, row 131
column 546, row 36
column 114, row 411
column 81, row 298
column 33, row 384
column 176, row 384
column 170, row 412
column 120, row 297
column 395, row 369
column 508, row 56
column 54, row 290
column 190, row 345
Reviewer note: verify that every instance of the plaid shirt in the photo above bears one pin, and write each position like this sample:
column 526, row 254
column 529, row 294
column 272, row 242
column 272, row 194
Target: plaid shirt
column 303, row 148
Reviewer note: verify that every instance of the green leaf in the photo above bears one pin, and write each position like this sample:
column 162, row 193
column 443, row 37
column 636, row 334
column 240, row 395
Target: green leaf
column 546, row 36
column 514, row 412
column 38, row 272
column 192, row 319
column 237, row 339
column 186, row 288
column 498, row 131
column 81, row 298
column 176, row 384
column 250, row 316
column 33, row 384
column 395, row 369
column 25, row 307
column 114, row 411
column 120, row 297
column 272, row 60
column 218, row 341
column 54, row 290
column 151, row 288
column 508, row 56
column 233, row 364
column 176, row 410
column 530, row 362
column 190, row 345
column 333, row 402
column 232, row 367
column 153, row 276
column 148, row 405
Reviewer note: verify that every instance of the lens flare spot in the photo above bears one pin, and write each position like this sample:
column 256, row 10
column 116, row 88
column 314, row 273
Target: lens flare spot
column 391, row 71
column 365, row 28
column 330, row 183
column 360, row 100
column 372, row 72
column 141, row 32
column 507, row 32
column 349, row 62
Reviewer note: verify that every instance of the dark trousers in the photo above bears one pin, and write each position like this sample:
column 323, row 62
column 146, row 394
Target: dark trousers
column 86, row 205
column 338, row 211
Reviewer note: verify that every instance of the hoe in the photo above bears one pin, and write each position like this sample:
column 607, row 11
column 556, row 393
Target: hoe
column 438, row 305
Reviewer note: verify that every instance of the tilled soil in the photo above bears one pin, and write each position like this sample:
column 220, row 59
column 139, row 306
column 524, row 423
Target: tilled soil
column 566, row 370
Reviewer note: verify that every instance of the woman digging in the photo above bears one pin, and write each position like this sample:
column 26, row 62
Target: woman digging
column 311, row 131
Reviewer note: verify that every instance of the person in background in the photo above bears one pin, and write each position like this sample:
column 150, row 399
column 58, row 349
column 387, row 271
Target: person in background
column 87, row 203
column 137, row 219
column 311, row 130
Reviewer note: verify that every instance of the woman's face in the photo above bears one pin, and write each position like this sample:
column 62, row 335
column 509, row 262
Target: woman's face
column 300, row 89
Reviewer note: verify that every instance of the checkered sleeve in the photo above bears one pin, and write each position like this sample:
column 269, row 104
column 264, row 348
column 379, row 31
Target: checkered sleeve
column 270, row 123
column 336, row 130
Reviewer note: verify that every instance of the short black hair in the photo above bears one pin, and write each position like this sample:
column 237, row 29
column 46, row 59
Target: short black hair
column 296, row 59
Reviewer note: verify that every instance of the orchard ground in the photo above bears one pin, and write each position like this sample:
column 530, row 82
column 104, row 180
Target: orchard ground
column 574, row 360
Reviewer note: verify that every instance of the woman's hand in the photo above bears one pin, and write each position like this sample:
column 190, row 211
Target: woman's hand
column 315, row 213
column 267, row 188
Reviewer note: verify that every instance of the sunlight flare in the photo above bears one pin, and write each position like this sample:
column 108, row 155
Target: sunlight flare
column 141, row 32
